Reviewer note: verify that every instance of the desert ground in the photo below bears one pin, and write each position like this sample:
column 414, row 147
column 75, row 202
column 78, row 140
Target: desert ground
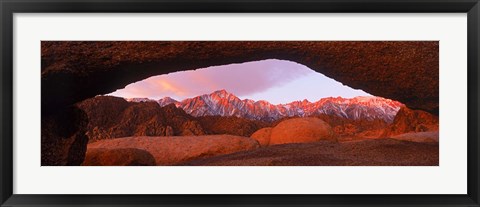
column 227, row 150
column 293, row 142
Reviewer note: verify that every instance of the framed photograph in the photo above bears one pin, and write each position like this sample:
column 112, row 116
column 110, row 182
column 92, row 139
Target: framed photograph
column 239, row 103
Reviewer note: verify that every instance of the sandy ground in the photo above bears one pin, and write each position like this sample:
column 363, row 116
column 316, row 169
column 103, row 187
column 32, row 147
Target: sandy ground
column 375, row 152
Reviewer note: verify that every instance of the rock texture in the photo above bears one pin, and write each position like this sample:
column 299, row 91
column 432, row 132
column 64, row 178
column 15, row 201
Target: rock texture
column 408, row 120
column 63, row 137
column 174, row 150
column 263, row 136
column 118, row 157
column 72, row 71
column 230, row 125
column 360, row 127
column 112, row 117
column 432, row 136
column 191, row 128
column 298, row 130
column 399, row 70
column 376, row 152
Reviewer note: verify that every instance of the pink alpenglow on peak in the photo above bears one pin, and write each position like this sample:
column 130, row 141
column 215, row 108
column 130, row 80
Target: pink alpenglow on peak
column 223, row 103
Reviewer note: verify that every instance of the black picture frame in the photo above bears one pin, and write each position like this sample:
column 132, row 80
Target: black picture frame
column 9, row 7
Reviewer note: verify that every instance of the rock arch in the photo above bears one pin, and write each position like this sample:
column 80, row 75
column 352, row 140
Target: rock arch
column 71, row 71
column 400, row 70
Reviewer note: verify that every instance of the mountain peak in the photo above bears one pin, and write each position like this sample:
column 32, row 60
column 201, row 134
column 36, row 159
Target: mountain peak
column 166, row 101
column 168, row 98
column 223, row 103
column 221, row 93
column 138, row 99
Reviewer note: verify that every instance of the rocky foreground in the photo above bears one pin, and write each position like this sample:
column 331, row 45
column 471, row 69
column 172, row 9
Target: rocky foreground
column 74, row 71
column 377, row 152
column 297, row 141
column 166, row 150
column 226, row 150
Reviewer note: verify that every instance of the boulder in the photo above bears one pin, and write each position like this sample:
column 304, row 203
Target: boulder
column 298, row 130
column 408, row 120
column 118, row 157
column 178, row 149
column 263, row 136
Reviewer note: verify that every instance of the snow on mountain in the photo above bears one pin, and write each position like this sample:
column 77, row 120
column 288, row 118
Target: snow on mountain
column 223, row 103
column 167, row 100
column 139, row 100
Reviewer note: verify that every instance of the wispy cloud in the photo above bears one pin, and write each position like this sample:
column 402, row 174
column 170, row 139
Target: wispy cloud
column 241, row 79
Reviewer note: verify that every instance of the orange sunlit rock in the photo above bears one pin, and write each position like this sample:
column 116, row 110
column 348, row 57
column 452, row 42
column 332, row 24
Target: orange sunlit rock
column 300, row 130
column 263, row 136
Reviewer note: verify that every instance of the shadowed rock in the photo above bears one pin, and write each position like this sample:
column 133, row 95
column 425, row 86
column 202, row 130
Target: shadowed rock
column 191, row 128
column 432, row 136
column 406, row 71
column 408, row 120
column 63, row 137
column 230, row 125
column 113, row 117
column 118, row 157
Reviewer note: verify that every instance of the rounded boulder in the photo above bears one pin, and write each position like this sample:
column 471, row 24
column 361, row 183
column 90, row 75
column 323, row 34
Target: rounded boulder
column 263, row 136
column 301, row 130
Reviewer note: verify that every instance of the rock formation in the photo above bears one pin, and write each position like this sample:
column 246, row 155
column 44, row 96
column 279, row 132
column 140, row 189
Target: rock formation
column 299, row 130
column 406, row 71
column 74, row 71
column 375, row 152
column 175, row 150
column 432, row 136
column 118, row 157
column 360, row 127
column 230, row 125
column 63, row 137
column 191, row 128
column 263, row 136
column 113, row 117
column 408, row 120
column 169, row 131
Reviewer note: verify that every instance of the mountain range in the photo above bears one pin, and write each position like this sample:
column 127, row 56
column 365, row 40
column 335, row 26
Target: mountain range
column 223, row 103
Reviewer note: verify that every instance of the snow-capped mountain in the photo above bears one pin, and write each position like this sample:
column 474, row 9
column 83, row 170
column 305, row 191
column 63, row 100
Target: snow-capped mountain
column 226, row 104
column 167, row 100
column 139, row 100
